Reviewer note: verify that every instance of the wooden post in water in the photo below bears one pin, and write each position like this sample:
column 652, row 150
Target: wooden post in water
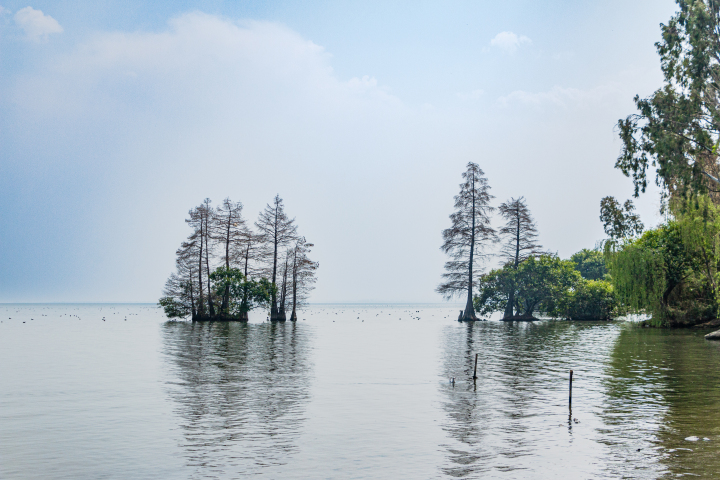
column 570, row 398
column 475, row 371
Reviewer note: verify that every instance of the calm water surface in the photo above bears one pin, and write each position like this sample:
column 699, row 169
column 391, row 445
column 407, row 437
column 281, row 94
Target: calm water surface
column 350, row 391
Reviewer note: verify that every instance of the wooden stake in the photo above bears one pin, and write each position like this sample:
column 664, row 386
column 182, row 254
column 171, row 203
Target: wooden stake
column 475, row 372
column 570, row 398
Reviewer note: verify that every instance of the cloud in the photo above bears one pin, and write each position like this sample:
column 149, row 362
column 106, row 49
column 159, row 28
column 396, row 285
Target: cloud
column 210, row 63
column 471, row 96
column 509, row 42
column 36, row 25
column 559, row 96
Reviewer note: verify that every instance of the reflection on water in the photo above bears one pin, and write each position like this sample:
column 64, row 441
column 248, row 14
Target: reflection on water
column 241, row 391
column 640, row 398
column 118, row 392
column 662, row 408
column 513, row 421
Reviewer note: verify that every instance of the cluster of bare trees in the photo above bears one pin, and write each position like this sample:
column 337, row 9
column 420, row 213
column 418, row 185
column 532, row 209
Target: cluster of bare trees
column 469, row 240
column 226, row 268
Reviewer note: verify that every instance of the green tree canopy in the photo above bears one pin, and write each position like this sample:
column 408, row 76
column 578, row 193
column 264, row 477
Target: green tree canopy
column 539, row 282
column 619, row 221
column 244, row 294
column 589, row 300
column 660, row 274
column 676, row 128
column 590, row 264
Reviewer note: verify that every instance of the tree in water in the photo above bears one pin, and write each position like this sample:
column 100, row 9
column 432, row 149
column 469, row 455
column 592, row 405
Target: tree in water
column 277, row 231
column 180, row 295
column 463, row 241
column 243, row 251
column 284, row 286
column 228, row 230
column 540, row 284
column 303, row 275
column 245, row 294
column 520, row 235
column 198, row 221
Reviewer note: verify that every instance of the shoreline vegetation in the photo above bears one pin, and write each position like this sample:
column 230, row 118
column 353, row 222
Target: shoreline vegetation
column 225, row 269
column 531, row 280
column 670, row 272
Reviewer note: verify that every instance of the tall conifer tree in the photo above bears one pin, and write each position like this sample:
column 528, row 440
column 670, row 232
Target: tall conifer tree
column 465, row 239
column 520, row 235
column 278, row 231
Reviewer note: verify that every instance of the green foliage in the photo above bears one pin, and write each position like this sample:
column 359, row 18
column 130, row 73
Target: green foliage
column 540, row 284
column 589, row 300
column 495, row 287
column 676, row 128
column 175, row 308
column 244, row 294
column 619, row 221
column 671, row 272
column 698, row 220
column 590, row 264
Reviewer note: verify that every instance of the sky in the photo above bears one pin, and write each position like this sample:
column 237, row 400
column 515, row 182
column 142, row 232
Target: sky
column 116, row 118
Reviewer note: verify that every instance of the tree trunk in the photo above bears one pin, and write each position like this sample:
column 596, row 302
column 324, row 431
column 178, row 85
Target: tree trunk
column 201, row 301
column 511, row 296
column 283, row 294
column 510, row 303
column 293, row 316
column 273, row 305
column 469, row 313
column 226, row 293
column 211, row 307
column 193, row 312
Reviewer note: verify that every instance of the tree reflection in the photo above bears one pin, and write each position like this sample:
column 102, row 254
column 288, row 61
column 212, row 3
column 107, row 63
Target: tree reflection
column 663, row 387
column 240, row 390
column 519, row 401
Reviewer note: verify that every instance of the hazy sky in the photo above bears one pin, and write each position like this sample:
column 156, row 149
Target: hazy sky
column 117, row 117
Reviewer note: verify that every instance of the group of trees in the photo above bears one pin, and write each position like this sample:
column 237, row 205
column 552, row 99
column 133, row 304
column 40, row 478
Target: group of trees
column 530, row 280
column 671, row 271
column 225, row 268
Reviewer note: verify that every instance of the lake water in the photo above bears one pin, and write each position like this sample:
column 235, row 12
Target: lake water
column 350, row 391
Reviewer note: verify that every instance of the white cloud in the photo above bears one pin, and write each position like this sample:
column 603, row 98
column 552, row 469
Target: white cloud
column 36, row 25
column 509, row 42
column 559, row 96
column 472, row 96
column 3, row 10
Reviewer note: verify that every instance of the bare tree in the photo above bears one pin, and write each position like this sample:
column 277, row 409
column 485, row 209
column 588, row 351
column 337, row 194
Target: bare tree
column 207, row 214
column 199, row 221
column 181, row 289
column 278, row 231
column 520, row 235
column 463, row 241
column 195, row 221
column 228, row 230
column 283, row 286
column 303, row 275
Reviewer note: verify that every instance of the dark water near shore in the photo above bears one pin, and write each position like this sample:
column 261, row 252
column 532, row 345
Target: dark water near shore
column 351, row 391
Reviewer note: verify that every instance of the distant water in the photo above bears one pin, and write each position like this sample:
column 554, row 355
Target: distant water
column 350, row 391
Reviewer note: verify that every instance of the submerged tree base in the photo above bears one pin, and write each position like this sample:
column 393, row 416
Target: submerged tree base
column 590, row 319
column 465, row 317
column 218, row 318
column 520, row 318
